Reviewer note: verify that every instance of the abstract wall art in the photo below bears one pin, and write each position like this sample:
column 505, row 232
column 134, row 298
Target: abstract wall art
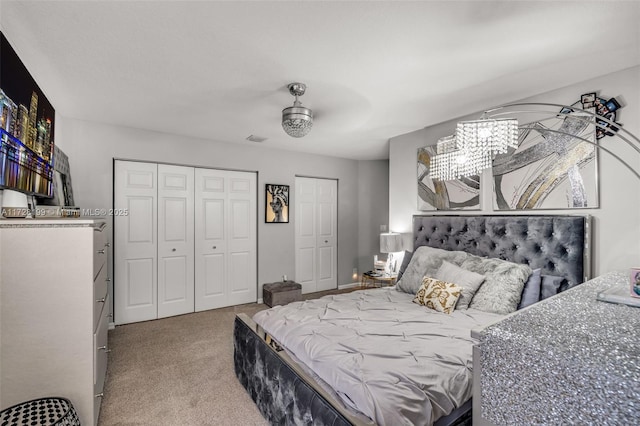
column 553, row 167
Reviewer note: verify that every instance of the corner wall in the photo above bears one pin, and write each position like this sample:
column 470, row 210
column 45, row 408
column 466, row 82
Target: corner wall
column 373, row 196
column 616, row 230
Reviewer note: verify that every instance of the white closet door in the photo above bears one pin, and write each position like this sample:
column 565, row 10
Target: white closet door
column 225, row 223
column 175, row 240
column 306, row 238
column 316, row 234
column 241, row 244
column 327, row 241
column 211, row 239
column 135, row 285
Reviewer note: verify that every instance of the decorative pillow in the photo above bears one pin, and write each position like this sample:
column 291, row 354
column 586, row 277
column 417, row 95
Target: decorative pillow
column 503, row 284
column 405, row 262
column 468, row 281
column 550, row 286
column 425, row 262
column 438, row 295
column 531, row 292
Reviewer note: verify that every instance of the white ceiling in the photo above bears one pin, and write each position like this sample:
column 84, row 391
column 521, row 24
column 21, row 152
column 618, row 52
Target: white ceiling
column 374, row 70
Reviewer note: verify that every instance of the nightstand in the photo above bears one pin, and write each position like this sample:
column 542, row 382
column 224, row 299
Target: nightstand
column 372, row 279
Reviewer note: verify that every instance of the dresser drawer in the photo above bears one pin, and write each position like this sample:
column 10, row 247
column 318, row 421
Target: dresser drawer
column 100, row 355
column 101, row 350
column 99, row 249
column 100, row 296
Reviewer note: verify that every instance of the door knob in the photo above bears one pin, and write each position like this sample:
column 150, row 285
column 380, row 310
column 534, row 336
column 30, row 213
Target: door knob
column 101, row 251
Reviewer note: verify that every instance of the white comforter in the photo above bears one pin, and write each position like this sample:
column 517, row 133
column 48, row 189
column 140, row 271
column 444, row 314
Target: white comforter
column 395, row 361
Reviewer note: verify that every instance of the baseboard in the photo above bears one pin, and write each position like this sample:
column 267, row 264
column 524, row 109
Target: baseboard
column 349, row 285
column 112, row 325
column 260, row 301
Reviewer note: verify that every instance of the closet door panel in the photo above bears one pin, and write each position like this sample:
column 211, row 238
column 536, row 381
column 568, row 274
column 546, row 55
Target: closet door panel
column 211, row 239
column 135, row 280
column 140, row 292
column 242, row 226
column 175, row 240
column 214, row 273
column 306, row 234
column 327, row 241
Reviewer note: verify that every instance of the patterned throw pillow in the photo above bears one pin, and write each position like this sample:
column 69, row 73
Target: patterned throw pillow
column 438, row 295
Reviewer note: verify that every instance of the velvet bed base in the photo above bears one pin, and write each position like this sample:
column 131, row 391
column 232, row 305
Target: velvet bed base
column 285, row 394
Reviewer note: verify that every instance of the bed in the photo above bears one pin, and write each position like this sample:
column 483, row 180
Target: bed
column 373, row 356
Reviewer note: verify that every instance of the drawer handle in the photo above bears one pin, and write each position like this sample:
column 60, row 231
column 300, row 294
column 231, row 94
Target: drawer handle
column 108, row 280
column 107, row 244
column 100, row 395
column 101, row 300
column 326, row 241
column 110, row 316
column 173, row 249
column 101, row 251
column 104, row 348
column 214, row 247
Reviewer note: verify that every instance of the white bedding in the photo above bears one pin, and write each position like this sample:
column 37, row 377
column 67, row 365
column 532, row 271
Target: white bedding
column 393, row 360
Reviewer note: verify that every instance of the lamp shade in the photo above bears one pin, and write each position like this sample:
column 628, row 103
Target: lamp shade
column 391, row 242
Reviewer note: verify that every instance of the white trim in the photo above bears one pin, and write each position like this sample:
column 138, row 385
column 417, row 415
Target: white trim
column 349, row 285
column 112, row 326
column 260, row 301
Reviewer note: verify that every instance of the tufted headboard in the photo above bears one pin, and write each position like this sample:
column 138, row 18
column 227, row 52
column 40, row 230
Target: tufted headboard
column 559, row 245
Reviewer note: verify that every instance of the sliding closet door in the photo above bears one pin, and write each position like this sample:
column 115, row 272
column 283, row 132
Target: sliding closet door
column 135, row 285
column 225, row 245
column 316, row 233
column 175, row 240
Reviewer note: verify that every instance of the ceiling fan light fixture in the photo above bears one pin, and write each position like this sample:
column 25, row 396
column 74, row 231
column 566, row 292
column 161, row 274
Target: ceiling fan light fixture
column 297, row 120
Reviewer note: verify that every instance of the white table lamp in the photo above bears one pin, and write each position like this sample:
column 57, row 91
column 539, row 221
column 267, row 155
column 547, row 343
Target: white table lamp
column 391, row 243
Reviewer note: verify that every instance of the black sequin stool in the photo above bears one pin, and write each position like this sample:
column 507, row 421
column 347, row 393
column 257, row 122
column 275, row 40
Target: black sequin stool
column 43, row 411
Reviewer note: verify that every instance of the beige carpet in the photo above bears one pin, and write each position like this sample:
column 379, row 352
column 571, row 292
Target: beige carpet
column 178, row 371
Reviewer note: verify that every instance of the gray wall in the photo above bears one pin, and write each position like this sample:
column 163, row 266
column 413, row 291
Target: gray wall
column 616, row 233
column 373, row 198
column 92, row 146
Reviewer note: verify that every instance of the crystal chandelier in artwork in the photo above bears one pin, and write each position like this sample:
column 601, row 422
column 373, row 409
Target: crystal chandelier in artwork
column 473, row 147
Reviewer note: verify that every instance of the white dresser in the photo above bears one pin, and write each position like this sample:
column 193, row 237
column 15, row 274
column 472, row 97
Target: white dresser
column 54, row 312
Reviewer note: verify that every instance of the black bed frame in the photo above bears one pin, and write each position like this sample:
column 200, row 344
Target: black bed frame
column 286, row 394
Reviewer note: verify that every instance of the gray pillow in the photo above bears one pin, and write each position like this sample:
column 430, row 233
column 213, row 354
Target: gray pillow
column 550, row 286
column 531, row 292
column 467, row 280
column 426, row 261
column 503, row 284
column 405, row 262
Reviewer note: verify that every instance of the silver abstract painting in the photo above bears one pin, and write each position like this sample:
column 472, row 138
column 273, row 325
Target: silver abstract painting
column 554, row 166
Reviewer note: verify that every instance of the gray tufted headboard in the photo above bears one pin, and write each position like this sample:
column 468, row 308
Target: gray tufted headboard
column 559, row 245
